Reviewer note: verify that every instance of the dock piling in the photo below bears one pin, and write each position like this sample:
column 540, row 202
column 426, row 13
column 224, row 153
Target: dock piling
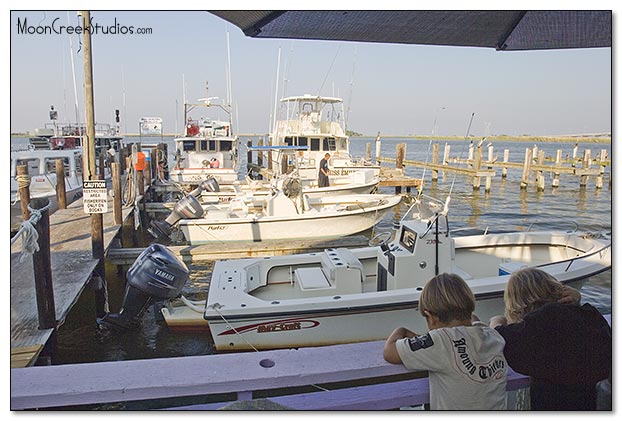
column 61, row 194
column 524, row 182
column 42, row 266
column 116, row 187
column 23, row 181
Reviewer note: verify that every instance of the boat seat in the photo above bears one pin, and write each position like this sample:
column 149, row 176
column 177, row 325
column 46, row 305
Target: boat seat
column 351, row 261
column 311, row 278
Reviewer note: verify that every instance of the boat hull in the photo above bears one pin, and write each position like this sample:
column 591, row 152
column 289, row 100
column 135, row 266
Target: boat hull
column 319, row 225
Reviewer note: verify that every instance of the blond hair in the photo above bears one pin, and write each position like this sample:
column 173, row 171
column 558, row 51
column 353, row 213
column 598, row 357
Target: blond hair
column 447, row 297
column 527, row 290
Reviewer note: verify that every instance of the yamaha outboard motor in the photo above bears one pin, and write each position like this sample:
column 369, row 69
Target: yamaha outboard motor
column 157, row 274
column 187, row 208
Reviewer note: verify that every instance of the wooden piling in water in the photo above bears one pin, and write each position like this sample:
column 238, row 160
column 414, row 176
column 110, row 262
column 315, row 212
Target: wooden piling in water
column 601, row 173
column 24, row 190
column 506, row 159
column 116, row 187
column 400, row 155
column 540, row 173
column 558, row 164
column 526, row 166
column 42, row 265
column 586, row 166
column 61, row 194
column 368, row 152
column 477, row 164
column 446, row 154
column 435, row 161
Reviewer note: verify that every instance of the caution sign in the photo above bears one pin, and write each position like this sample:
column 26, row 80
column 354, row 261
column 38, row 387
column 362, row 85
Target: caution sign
column 95, row 196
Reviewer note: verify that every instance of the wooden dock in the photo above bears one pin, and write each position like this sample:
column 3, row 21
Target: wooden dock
column 238, row 250
column 72, row 264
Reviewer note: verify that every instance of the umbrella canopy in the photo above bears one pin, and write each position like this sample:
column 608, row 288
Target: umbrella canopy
column 504, row 30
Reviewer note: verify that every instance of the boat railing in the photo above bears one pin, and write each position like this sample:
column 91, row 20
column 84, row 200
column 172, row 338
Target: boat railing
column 604, row 249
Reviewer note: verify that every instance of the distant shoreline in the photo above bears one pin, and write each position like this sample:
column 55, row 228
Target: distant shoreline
column 503, row 138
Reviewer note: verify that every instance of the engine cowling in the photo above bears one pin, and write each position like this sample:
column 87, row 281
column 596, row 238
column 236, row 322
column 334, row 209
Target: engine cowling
column 157, row 274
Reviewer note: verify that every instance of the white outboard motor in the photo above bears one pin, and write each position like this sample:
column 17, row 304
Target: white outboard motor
column 157, row 274
column 187, row 208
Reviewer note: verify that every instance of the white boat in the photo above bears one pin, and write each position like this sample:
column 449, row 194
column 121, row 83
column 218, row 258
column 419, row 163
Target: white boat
column 280, row 217
column 42, row 172
column 354, row 295
column 208, row 148
column 317, row 123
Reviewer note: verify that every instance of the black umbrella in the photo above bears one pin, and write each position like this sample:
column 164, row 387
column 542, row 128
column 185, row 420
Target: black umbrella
column 500, row 29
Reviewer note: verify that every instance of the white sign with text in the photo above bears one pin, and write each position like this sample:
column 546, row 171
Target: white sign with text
column 95, row 196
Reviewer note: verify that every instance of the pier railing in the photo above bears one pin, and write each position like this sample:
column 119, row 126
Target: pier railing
column 243, row 375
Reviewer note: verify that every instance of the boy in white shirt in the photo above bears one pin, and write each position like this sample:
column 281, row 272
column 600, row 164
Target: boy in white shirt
column 467, row 369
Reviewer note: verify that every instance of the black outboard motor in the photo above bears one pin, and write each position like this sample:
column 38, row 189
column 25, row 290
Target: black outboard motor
column 187, row 208
column 157, row 274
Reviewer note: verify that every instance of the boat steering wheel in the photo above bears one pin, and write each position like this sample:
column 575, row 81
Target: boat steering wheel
column 380, row 239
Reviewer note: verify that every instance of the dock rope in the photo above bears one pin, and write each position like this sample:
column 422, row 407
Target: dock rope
column 29, row 234
column 23, row 181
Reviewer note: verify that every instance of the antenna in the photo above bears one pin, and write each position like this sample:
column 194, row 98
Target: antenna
column 276, row 91
column 347, row 113
column 229, row 92
column 319, row 91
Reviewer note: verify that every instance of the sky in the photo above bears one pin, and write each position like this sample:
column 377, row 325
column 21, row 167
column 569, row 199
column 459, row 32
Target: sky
column 389, row 88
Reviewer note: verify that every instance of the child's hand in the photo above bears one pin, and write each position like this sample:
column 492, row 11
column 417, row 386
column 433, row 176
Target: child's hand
column 497, row 321
column 570, row 296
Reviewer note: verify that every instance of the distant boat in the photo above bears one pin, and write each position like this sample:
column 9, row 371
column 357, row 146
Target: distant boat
column 42, row 172
column 318, row 124
column 208, row 148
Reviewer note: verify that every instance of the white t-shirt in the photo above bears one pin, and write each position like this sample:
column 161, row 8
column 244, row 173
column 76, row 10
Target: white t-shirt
column 467, row 369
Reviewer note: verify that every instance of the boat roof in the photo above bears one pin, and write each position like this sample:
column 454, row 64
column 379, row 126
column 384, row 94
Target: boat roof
column 307, row 97
column 278, row 148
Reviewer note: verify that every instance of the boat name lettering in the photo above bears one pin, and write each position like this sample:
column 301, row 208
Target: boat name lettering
column 278, row 327
column 433, row 241
column 164, row 275
column 216, row 227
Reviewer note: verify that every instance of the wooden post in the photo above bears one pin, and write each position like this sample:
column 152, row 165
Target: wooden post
column 42, row 265
column 102, row 164
column 23, row 182
column 558, row 164
column 116, row 187
column 400, row 155
column 540, row 173
column 586, row 165
column 601, row 173
column 378, row 145
column 97, row 224
column 140, row 180
column 61, row 194
column 446, row 154
column 165, row 157
column 147, row 172
column 524, row 182
column 506, row 158
column 435, row 161
column 471, row 152
column 368, row 152
column 477, row 167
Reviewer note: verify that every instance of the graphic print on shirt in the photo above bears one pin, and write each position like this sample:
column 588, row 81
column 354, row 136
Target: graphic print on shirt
column 420, row 342
column 476, row 371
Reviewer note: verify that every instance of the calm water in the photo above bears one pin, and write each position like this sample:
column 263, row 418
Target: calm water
column 505, row 207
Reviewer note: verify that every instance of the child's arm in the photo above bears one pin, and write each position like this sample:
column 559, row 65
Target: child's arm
column 390, row 350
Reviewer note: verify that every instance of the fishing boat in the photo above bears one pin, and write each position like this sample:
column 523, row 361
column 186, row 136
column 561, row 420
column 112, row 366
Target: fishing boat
column 362, row 181
column 318, row 124
column 282, row 215
column 355, row 295
column 208, row 147
column 42, row 173
column 59, row 136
